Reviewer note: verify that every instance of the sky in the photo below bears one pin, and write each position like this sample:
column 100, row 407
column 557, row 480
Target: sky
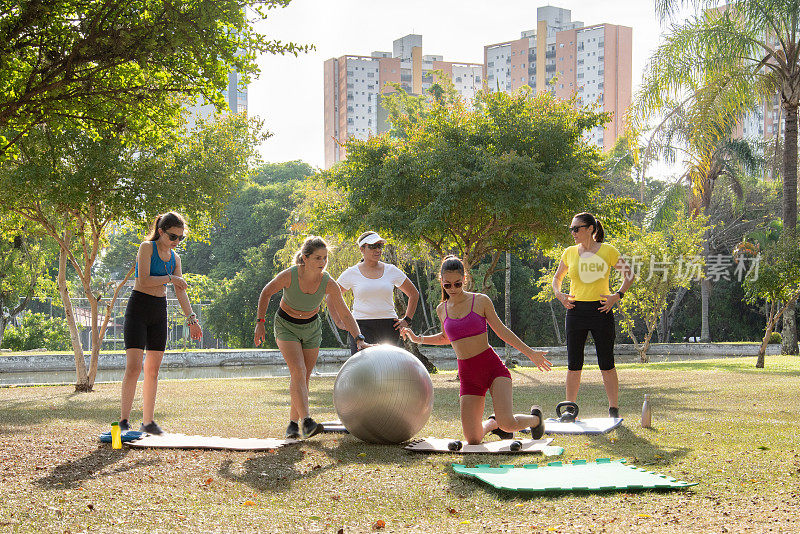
column 288, row 94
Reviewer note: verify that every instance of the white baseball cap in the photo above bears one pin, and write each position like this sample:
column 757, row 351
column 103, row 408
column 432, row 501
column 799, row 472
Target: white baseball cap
column 370, row 239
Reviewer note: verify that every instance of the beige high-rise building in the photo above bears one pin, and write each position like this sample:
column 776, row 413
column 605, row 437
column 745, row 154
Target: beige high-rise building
column 565, row 57
column 354, row 86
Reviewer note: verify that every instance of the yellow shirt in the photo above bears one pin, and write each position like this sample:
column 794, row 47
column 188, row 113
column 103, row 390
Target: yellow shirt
column 588, row 273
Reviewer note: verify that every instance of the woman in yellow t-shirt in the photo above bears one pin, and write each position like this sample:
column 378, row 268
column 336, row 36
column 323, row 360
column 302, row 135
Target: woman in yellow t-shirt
column 590, row 303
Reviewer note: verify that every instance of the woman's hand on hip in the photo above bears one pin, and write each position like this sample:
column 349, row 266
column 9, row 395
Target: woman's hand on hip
column 401, row 323
column 609, row 301
column 565, row 301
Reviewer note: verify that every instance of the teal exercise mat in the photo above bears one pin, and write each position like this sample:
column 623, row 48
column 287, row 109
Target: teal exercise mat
column 580, row 475
column 128, row 435
column 526, row 446
column 591, row 427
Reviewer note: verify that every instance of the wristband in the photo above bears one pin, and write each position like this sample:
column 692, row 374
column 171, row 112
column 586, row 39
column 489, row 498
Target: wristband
column 264, row 320
column 407, row 319
column 621, row 294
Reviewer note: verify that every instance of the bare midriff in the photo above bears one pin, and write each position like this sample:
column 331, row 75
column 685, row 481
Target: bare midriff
column 297, row 313
column 468, row 347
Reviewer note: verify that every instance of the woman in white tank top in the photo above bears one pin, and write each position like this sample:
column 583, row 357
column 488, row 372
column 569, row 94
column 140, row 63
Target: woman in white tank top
column 372, row 283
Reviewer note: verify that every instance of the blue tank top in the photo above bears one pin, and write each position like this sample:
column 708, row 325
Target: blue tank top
column 158, row 267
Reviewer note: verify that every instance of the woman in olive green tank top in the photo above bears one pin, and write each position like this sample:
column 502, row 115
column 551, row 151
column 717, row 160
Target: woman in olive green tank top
column 298, row 327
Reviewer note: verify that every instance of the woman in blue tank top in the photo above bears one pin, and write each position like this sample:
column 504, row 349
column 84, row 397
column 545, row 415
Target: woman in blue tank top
column 146, row 315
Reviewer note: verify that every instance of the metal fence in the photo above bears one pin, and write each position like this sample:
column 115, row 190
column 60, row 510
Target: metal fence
column 178, row 331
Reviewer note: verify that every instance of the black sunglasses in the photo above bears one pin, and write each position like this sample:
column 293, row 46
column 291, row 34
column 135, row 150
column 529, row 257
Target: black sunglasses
column 375, row 246
column 448, row 285
column 175, row 237
column 574, row 229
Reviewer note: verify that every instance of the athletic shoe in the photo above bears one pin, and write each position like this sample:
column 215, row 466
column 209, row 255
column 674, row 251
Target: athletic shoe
column 613, row 412
column 502, row 434
column 151, row 428
column 311, row 428
column 537, row 431
column 292, row 431
column 123, row 425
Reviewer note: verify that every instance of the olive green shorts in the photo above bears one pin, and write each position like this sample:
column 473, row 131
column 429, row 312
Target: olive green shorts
column 309, row 335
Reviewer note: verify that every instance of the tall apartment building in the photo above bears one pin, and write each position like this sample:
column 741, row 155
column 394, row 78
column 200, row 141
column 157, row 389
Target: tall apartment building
column 354, row 85
column 565, row 57
column 235, row 94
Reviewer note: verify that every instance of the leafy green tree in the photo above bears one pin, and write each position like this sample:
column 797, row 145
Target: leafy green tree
column 662, row 261
column 777, row 283
column 255, row 215
column 750, row 44
column 24, row 259
column 39, row 331
column 474, row 181
column 75, row 186
column 125, row 65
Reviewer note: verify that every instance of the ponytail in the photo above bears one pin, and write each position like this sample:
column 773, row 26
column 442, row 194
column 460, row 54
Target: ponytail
column 309, row 246
column 165, row 221
column 591, row 220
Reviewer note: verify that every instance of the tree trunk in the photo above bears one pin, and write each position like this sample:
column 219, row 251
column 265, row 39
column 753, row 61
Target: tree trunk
column 673, row 310
column 789, row 335
column 789, row 213
column 413, row 348
column 509, row 360
column 770, row 325
column 329, row 320
column 81, row 378
column 705, row 292
column 3, row 323
column 422, row 301
column 555, row 323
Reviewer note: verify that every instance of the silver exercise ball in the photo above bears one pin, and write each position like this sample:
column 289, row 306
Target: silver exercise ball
column 383, row 394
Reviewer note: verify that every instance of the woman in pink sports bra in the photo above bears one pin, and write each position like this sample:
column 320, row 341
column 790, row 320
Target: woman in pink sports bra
column 464, row 317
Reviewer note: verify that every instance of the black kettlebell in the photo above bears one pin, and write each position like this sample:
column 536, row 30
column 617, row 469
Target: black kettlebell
column 570, row 414
column 515, row 446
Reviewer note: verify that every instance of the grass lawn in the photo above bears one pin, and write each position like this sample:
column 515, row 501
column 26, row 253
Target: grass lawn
column 722, row 423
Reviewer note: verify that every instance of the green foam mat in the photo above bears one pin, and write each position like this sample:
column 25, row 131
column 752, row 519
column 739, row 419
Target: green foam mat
column 580, row 475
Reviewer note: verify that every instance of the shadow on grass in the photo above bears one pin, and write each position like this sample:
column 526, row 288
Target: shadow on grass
column 279, row 470
column 74, row 473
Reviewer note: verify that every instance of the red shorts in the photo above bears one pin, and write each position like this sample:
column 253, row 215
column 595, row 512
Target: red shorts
column 477, row 373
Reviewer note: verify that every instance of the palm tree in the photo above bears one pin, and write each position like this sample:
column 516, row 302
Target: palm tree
column 751, row 46
column 699, row 131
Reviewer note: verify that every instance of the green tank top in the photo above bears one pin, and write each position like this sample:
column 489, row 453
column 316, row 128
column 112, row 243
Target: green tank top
column 300, row 301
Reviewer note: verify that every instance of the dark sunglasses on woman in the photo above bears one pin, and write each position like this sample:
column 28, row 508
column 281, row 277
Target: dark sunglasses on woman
column 448, row 285
column 175, row 237
column 375, row 246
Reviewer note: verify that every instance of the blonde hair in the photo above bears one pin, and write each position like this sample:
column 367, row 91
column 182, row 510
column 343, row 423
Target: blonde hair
column 311, row 244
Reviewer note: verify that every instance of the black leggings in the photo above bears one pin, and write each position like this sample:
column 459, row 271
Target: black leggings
column 146, row 322
column 376, row 331
column 585, row 317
